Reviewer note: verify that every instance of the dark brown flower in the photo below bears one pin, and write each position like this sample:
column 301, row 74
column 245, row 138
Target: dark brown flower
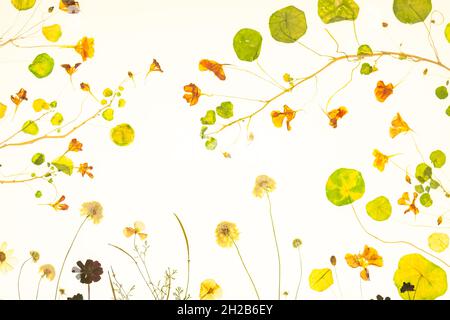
column 78, row 296
column 88, row 272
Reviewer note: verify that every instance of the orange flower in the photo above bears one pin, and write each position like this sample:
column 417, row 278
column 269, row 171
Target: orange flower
column 137, row 230
column 212, row 66
column 71, row 69
column 75, row 146
column 85, row 87
column 69, row 6
column 19, row 97
column 398, row 125
column 336, row 114
column 155, row 66
column 278, row 117
column 382, row 91
column 369, row 257
column 85, row 169
column 380, row 160
column 405, row 201
column 58, row 205
column 85, row 47
column 192, row 95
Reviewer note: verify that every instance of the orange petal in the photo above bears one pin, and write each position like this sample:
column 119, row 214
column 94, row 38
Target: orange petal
column 352, row 260
column 277, row 118
column 212, row 66
column 128, row 232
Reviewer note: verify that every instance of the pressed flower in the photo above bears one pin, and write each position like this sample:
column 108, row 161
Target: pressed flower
column 296, row 243
column 382, row 91
column 154, row 67
column 35, row 256
column 369, row 257
column 93, row 210
column 75, row 146
column 406, row 201
column 69, row 6
column 226, row 234
column 210, row 290
column 47, row 271
column 213, row 66
column 78, row 296
column 335, row 115
column 19, row 97
column 137, row 230
column 59, row 205
column 85, row 87
column 88, row 272
column 278, row 117
column 85, row 169
column 6, row 258
column 71, row 69
column 263, row 184
column 380, row 160
column 398, row 125
column 85, row 47
column 192, row 94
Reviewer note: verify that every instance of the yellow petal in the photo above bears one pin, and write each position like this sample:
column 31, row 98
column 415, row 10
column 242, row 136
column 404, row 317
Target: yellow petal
column 3, row 109
column 52, row 33
column 128, row 232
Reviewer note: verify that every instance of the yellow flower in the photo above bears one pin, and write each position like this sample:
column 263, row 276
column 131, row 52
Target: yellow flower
column 6, row 259
column 48, row 271
column 35, row 256
column 369, row 257
column 380, row 160
column 296, row 243
column 85, row 47
column 263, row 184
column 137, row 230
column 210, row 290
column 92, row 210
column 226, row 234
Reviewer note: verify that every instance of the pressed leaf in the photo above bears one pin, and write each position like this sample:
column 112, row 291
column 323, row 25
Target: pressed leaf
column 30, row 127
column 345, row 186
column 108, row 114
column 320, row 279
column 441, row 92
column 57, row 119
column 425, row 200
column 247, row 44
column 423, row 172
column 3, row 109
column 430, row 280
column 447, row 32
column 334, row 11
column 225, row 110
column 379, row 209
column 365, row 50
column 412, row 11
column 42, row 65
column 438, row 242
column 63, row 164
column 209, row 118
column 288, row 24
column 52, row 33
column 211, row 143
column 447, row 112
column 122, row 134
column 38, row 159
column 23, row 4
column 40, row 104
column 438, row 158
column 419, row 189
column 366, row 69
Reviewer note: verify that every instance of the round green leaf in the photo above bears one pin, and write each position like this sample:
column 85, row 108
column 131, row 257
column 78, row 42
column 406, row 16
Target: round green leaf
column 423, row 172
column 23, row 4
column 211, row 143
column 57, row 119
column 42, row 65
column 320, row 279
column 438, row 241
column 247, row 44
column 447, row 32
column 30, row 127
column 366, row 69
column 38, row 194
column 365, row 50
column 209, row 118
column 108, row 114
column 225, row 110
column 379, row 209
column 438, row 158
column 121, row 103
column 429, row 280
column 412, row 11
column 38, row 159
column 122, row 134
column 441, row 92
column 334, row 11
column 425, row 200
column 434, row 184
column 419, row 188
column 345, row 186
column 288, row 24
column 447, row 112
column 64, row 165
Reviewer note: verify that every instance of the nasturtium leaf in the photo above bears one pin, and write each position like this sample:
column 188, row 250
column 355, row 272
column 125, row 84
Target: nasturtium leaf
column 23, row 4
column 30, row 127
column 423, row 172
column 107, row 92
column 53, row 104
column 430, row 280
column 425, row 200
column 334, row 11
column 412, row 11
column 419, row 188
column 225, row 110
column 366, row 69
column 3, row 109
column 434, row 184
column 345, row 186
column 447, row 32
column 209, row 118
column 64, row 165
column 57, row 119
column 447, row 112
column 427, row 189
column 202, row 132
column 108, row 114
column 365, row 50
column 247, row 44
column 42, row 65
column 211, row 143
column 38, row 194
column 438, row 242
column 122, row 134
column 441, row 92
column 438, row 158
column 38, row 159
column 121, row 103
column 320, row 279
column 52, row 33
column 288, row 24
column 379, row 209
column 40, row 104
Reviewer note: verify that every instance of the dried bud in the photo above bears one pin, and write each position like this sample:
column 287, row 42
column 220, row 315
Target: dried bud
column 333, row 261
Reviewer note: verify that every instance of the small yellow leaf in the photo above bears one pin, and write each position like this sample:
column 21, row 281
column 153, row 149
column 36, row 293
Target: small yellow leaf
column 40, row 104
column 438, row 241
column 52, row 33
column 320, row 279
column 3, row 109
